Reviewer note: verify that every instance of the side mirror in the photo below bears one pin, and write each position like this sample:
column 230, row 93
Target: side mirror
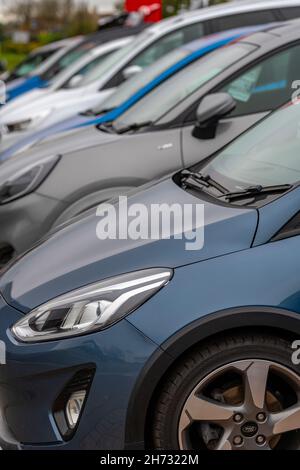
column 131, row 71
column 211, row 109
column 75, row 81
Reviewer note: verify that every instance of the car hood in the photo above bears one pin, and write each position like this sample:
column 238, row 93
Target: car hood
column 49, row 101
column 62, row 144
column 23, row 100
column 74, row 256
column 18, row 142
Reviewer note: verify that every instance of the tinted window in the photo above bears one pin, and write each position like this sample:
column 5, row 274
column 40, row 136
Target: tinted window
column 290, row 13
column 67, row 59
column 32, row 63
column 267, row 85
column 182, row 84
column 244, row 19
column 81, row 74
column 160, row 48
column 168, row 43
column 266, row 155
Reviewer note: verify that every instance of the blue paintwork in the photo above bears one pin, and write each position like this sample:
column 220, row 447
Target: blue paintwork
column 231, row 271
column 197, row 49
column 123, row 355
column 20, row 87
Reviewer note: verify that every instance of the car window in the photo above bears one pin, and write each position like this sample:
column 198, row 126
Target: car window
column 138, row 81
column 267, row 85
column 168, row 43
column 160, row 48
column 67, row 59
column 266, row 155
column 179, row 86
column 244, row 19
column 33, row 61
column 87, row 69
column 103, row 67
column 290, row 13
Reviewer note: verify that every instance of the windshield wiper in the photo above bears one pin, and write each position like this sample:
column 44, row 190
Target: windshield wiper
column 92, row 112
column 197, row 180
column 134, row 127
column 256, row 191
column 106, row 127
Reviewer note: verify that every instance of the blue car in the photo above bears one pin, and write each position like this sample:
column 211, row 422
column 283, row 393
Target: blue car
column 75, row 48
column 131, row 91
column 115, row 339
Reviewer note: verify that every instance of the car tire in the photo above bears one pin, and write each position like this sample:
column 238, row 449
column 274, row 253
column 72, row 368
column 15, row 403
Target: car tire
column 213, row 397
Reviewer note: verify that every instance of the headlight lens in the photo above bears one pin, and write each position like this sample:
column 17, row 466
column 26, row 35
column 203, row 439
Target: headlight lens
column 27, row 180
column 91, row 308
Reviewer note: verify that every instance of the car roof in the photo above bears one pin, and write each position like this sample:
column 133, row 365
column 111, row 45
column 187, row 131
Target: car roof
column 221, row 10
column 282, row 32
column 115, row 32
column 216, row 37
column 58, row 44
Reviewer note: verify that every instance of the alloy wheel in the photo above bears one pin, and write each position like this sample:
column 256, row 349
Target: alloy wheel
column 244, row 405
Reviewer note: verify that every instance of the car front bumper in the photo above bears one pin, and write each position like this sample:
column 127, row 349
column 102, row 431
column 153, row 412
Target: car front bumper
column 34, row 375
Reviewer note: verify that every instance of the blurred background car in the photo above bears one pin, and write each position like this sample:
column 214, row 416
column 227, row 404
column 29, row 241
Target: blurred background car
column 185, row 119
column 125, row 96
column 148, row 47
column 66, row 84
column 41, row 76
column 36, row 58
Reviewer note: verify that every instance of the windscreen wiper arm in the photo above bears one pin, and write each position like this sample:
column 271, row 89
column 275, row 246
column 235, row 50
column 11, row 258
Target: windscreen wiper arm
column 134, row 127
column 92, row 112
column 198, row 181
column 255, row 191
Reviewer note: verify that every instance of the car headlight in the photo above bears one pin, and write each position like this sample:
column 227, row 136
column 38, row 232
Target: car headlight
column 27, row 180
column 91, row 308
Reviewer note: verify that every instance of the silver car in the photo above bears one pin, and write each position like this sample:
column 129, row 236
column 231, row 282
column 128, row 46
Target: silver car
column 187, row 118
column 153, row 43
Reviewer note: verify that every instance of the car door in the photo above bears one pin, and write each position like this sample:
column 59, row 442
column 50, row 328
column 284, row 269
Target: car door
column 260, row 89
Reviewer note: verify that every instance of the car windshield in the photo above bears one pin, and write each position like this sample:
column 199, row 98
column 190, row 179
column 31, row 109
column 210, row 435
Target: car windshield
column 267, row 155
column 141, row 79
column 178, row 87
column 107, row 64
column 76, row 79
column 32, row 62
column 68, row 59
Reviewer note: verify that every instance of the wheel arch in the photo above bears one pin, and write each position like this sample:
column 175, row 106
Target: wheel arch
column 91, row 196
column 280, row 321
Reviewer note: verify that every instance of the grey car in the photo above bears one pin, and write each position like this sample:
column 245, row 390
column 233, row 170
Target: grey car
column 187, row 118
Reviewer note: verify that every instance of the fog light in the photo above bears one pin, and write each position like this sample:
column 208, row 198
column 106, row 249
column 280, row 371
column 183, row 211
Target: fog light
column 74, row 407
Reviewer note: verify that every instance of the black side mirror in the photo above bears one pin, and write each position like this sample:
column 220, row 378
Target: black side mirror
column 211, row 109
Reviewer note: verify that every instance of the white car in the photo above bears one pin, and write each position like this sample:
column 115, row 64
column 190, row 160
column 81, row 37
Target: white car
column 63, row 84
column 38, row 57
column 147, row 47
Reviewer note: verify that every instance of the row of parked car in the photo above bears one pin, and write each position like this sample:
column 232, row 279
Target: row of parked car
column 143, row 343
